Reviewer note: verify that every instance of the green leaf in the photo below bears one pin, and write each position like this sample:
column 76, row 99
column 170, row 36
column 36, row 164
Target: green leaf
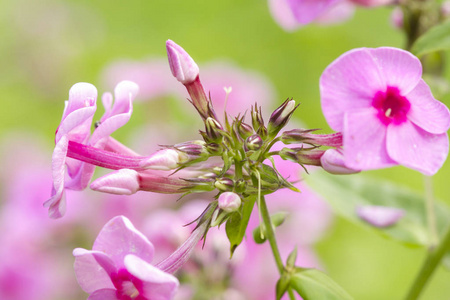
column 312, row 284
column 277, row 219
column 237, row 224
column 435, row 39
column 282, row 285
column 346, row 193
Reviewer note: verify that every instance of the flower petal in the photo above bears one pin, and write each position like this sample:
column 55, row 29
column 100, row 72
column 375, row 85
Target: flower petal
column 157, row 284
column 348, row 84
column 417, row 149
column 306, row 11
column 400, row 68
column 104, row 294
column 119, row 238
column 380, row 216
column 121, row 182
column 365, row 141
column 427, row 112
column 93, row 270
column 333, row 162
column 57, row 203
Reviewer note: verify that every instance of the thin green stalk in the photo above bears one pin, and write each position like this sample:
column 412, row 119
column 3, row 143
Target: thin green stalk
column 270, row 234
column 430, row 211
column 431, row 262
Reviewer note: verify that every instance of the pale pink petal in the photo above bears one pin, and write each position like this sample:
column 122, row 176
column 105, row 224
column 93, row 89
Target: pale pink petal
column 380, row 216
column 121, row 182
column 157, row 284
column 306, row 11
column 365, row 141
column 81, row 95
column 426, row 112
column 104, row 294
column 373, row 3
column 400, row 68
column 77, row 125
column 338, row 13
column 349, row 83
column 282, row 14
column 417, row 149
column 119, row 237
column 333, row 162
column 57, row 203
column 93, row 270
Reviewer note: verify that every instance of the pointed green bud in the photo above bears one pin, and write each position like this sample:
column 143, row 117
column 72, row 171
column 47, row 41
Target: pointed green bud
column 245, row 130
column 280, row 117
column 257, row 119
column 224, row 184
column 213, row 130
column 241, row 186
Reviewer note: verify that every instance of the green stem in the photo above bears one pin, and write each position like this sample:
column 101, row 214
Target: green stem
column 430, row 210
column 431, row 262
column 271, row 235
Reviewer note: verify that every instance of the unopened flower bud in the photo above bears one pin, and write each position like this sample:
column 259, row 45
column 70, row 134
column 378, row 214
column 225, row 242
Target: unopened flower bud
column 305, row 136
column 229, row 201
column 121, row 182
column 245, row 130
column 224, row 184
column 213, row 130
column 257, row 119
column 193, row 150
column 333, row 162
column 303, row 156
column 281, row 116
column 166, row 159
column 183, row 67
column 253, row 142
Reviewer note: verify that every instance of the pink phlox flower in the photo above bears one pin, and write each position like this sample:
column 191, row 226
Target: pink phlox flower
column 380, row 216
column 118, row 266
column 386, row 112
column 75, row 128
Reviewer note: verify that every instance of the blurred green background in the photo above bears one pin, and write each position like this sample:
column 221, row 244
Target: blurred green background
column 47, row 46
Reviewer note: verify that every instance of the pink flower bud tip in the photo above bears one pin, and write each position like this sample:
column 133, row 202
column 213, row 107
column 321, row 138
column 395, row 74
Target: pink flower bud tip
column 167, row 159
column 229, row 201
column 333, row 162
column 121, row 182
column 183, row 67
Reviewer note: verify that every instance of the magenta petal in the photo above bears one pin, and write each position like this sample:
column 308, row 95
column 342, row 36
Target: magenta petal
column 119, row 238
column 348, row 84
column 121, row 182
column 77, row 124
column 400, row 68
column 104, row 294
column 380, row 216
column 57, row 203
column 417, row 149
column 93, row 270
column 365, row 141
column 157, row 284
column 426, row 112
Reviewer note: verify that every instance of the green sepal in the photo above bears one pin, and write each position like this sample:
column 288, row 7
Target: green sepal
column 290, row 262
column 282, row 285
column 237, row 224
column 312, row 284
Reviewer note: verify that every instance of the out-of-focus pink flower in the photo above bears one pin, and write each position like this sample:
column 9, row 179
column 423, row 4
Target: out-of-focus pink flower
column 118, row 266
column 380, row 216
column 373, row 3
column 397, row 18
column 293, row 14
column 385, row 111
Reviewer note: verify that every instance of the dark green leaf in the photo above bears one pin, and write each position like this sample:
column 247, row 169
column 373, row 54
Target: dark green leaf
column 237, row 224
column 435, row 39
column 312, row 284
column 346, row 193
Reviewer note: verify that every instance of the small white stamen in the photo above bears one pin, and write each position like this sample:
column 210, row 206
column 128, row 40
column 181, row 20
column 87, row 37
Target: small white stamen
column 227, row 92
column 388, row 112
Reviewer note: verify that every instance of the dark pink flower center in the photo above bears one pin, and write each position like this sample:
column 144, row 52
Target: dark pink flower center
column 391, row 106
column 128, row 286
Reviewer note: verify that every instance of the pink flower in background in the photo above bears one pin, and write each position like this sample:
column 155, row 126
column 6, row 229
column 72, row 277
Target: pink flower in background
column 380, row 216
column 386, row 112
column 119, row 266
